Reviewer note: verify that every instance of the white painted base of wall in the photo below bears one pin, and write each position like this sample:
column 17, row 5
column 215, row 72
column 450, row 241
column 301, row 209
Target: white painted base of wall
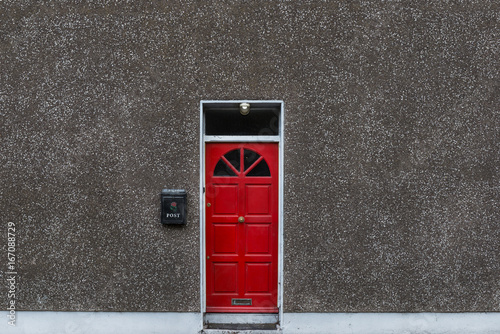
column 294, row 323
column 28, row 322
column 392, row 323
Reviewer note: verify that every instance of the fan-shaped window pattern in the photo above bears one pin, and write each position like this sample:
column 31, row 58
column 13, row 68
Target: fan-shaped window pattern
column 222, row 169
column 242, row 162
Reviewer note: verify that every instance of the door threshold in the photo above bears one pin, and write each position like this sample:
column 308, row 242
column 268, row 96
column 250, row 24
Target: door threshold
column 245, row 331
column 251, row 327
column 241, row 321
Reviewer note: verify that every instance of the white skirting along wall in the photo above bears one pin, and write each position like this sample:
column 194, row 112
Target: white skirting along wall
column 294, row 323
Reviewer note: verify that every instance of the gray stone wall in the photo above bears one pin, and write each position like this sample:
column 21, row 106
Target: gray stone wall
column 391, row 156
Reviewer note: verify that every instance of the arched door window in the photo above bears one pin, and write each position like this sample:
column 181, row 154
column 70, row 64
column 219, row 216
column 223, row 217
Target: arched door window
column 242, row 162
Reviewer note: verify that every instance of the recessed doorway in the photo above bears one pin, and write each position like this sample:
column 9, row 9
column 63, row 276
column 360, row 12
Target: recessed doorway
column 241, row 219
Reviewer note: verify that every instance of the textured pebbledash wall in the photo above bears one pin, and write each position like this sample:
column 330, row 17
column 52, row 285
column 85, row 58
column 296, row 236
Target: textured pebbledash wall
column 391, row 161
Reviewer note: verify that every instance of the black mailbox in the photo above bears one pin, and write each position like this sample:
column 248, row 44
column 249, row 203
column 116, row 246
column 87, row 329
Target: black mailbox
column 173, row 206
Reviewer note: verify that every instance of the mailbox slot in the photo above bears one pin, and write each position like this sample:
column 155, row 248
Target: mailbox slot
column 173, row 206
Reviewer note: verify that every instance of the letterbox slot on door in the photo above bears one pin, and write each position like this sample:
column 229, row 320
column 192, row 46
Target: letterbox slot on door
column 241, row 301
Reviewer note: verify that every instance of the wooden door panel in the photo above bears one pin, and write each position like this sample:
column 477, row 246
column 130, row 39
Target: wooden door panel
column 258, row 277
column 258, row 238
column 226, row 201
column 225, row 239
column 230, row 272
column 257, row 198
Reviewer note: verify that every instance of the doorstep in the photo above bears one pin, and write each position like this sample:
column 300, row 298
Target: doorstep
column 241, row 322
column 249, row 331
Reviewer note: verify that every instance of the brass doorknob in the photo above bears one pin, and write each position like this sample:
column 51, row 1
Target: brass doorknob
column 241, row 219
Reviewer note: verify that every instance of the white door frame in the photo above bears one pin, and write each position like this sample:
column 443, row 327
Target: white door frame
column 276, row 139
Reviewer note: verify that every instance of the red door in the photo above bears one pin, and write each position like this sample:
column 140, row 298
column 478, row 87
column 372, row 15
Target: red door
column 242, row 227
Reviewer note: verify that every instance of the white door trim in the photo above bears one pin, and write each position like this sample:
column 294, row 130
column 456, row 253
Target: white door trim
column 280, row 140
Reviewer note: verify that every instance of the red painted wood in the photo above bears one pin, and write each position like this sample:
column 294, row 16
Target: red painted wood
column 242, row 258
